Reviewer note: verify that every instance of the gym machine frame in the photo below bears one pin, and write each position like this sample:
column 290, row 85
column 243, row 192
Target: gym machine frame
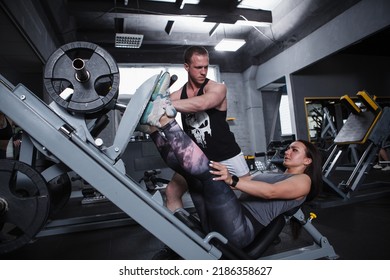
column 365, row 127
column 65, row 137
column 66, row 140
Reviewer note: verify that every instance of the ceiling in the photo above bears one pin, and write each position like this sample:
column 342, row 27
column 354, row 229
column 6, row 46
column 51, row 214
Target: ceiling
column 271, row 27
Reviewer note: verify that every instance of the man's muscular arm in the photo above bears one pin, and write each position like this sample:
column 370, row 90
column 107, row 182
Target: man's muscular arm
column 214, row 97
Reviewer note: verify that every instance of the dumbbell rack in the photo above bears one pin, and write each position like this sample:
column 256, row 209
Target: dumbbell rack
column 62, row 135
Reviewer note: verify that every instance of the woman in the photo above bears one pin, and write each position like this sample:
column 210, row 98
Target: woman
column 211, row 186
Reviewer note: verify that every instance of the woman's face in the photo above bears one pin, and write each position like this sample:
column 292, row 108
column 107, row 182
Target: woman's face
column 295, row 155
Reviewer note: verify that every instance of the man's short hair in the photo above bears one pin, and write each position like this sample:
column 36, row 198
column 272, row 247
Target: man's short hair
column 189, row 52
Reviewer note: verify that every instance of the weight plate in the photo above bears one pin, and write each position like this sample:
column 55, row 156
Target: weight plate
column 88, row 70
column 24, row 192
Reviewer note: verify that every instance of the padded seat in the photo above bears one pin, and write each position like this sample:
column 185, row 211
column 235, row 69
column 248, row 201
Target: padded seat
column 256, row 249
column 265, row 237
column 268, row 235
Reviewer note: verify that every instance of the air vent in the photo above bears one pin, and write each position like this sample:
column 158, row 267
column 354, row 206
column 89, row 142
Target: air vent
column 132, row 41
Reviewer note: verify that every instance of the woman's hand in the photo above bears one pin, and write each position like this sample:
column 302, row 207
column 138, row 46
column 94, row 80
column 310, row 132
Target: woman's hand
column 221, row 172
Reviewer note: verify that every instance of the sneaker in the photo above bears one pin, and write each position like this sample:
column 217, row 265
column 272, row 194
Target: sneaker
column 156, row 109
column 161, row 89
column 161, row 92
column 166, row 253
column 377, row 166
column 386, row 168
column 152, row 114
column 159, row 103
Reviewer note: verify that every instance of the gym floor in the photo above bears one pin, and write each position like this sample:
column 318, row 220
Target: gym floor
column 357, row 231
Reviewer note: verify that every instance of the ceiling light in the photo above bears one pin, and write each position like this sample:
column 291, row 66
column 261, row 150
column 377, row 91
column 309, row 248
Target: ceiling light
column 183, row 2
column 229, row 45
column 123, row 40
column 256, row 4
column 252, row 23
column 168, row 1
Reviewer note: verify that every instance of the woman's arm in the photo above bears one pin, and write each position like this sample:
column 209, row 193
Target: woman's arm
column 294, row 187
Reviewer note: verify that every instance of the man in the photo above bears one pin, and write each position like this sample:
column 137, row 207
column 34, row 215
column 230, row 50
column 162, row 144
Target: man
column 203, row 107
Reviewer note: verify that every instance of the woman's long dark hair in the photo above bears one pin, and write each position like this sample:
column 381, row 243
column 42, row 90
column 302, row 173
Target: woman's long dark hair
column 314, row 170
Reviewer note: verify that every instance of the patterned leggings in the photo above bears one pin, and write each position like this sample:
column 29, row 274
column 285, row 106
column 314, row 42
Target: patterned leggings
column 217, row 205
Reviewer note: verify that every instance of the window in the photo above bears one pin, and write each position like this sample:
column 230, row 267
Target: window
column 132, row 76
column 284, row 114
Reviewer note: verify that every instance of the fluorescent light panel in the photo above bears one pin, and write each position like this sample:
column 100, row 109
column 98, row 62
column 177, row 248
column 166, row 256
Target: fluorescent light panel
column 252, row 23
column 256, row 4
column 174, row 1
column 229, row 45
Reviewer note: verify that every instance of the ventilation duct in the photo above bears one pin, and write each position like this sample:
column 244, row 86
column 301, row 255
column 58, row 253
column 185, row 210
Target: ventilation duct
column 132, row 41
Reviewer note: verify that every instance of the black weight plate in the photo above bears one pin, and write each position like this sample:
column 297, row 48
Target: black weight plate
column 89, row 96
column 28, row 203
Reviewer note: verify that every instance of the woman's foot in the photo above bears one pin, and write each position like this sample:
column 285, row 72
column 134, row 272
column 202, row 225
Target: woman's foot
column 155, row 110
column 159, row 104
column 162, row 86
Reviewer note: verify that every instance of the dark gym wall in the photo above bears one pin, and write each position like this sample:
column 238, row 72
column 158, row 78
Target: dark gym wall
column 13, row 58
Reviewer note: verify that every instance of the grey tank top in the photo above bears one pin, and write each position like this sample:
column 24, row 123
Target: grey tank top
column 265, row 210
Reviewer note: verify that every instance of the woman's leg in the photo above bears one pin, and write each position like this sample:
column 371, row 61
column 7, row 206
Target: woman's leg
column 169, row 157
column 223, row 210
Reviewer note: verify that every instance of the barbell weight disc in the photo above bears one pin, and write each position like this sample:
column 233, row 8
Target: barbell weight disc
column 87, row 71
column 24, row 192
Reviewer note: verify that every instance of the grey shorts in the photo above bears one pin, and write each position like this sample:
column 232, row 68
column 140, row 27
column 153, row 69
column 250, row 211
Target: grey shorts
column 237, row 165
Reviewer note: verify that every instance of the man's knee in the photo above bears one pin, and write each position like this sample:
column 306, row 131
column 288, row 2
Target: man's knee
column 175, row 190
column 176, row 187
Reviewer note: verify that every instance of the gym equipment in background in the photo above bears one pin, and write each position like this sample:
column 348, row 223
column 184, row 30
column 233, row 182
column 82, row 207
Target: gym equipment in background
column 356, row 147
